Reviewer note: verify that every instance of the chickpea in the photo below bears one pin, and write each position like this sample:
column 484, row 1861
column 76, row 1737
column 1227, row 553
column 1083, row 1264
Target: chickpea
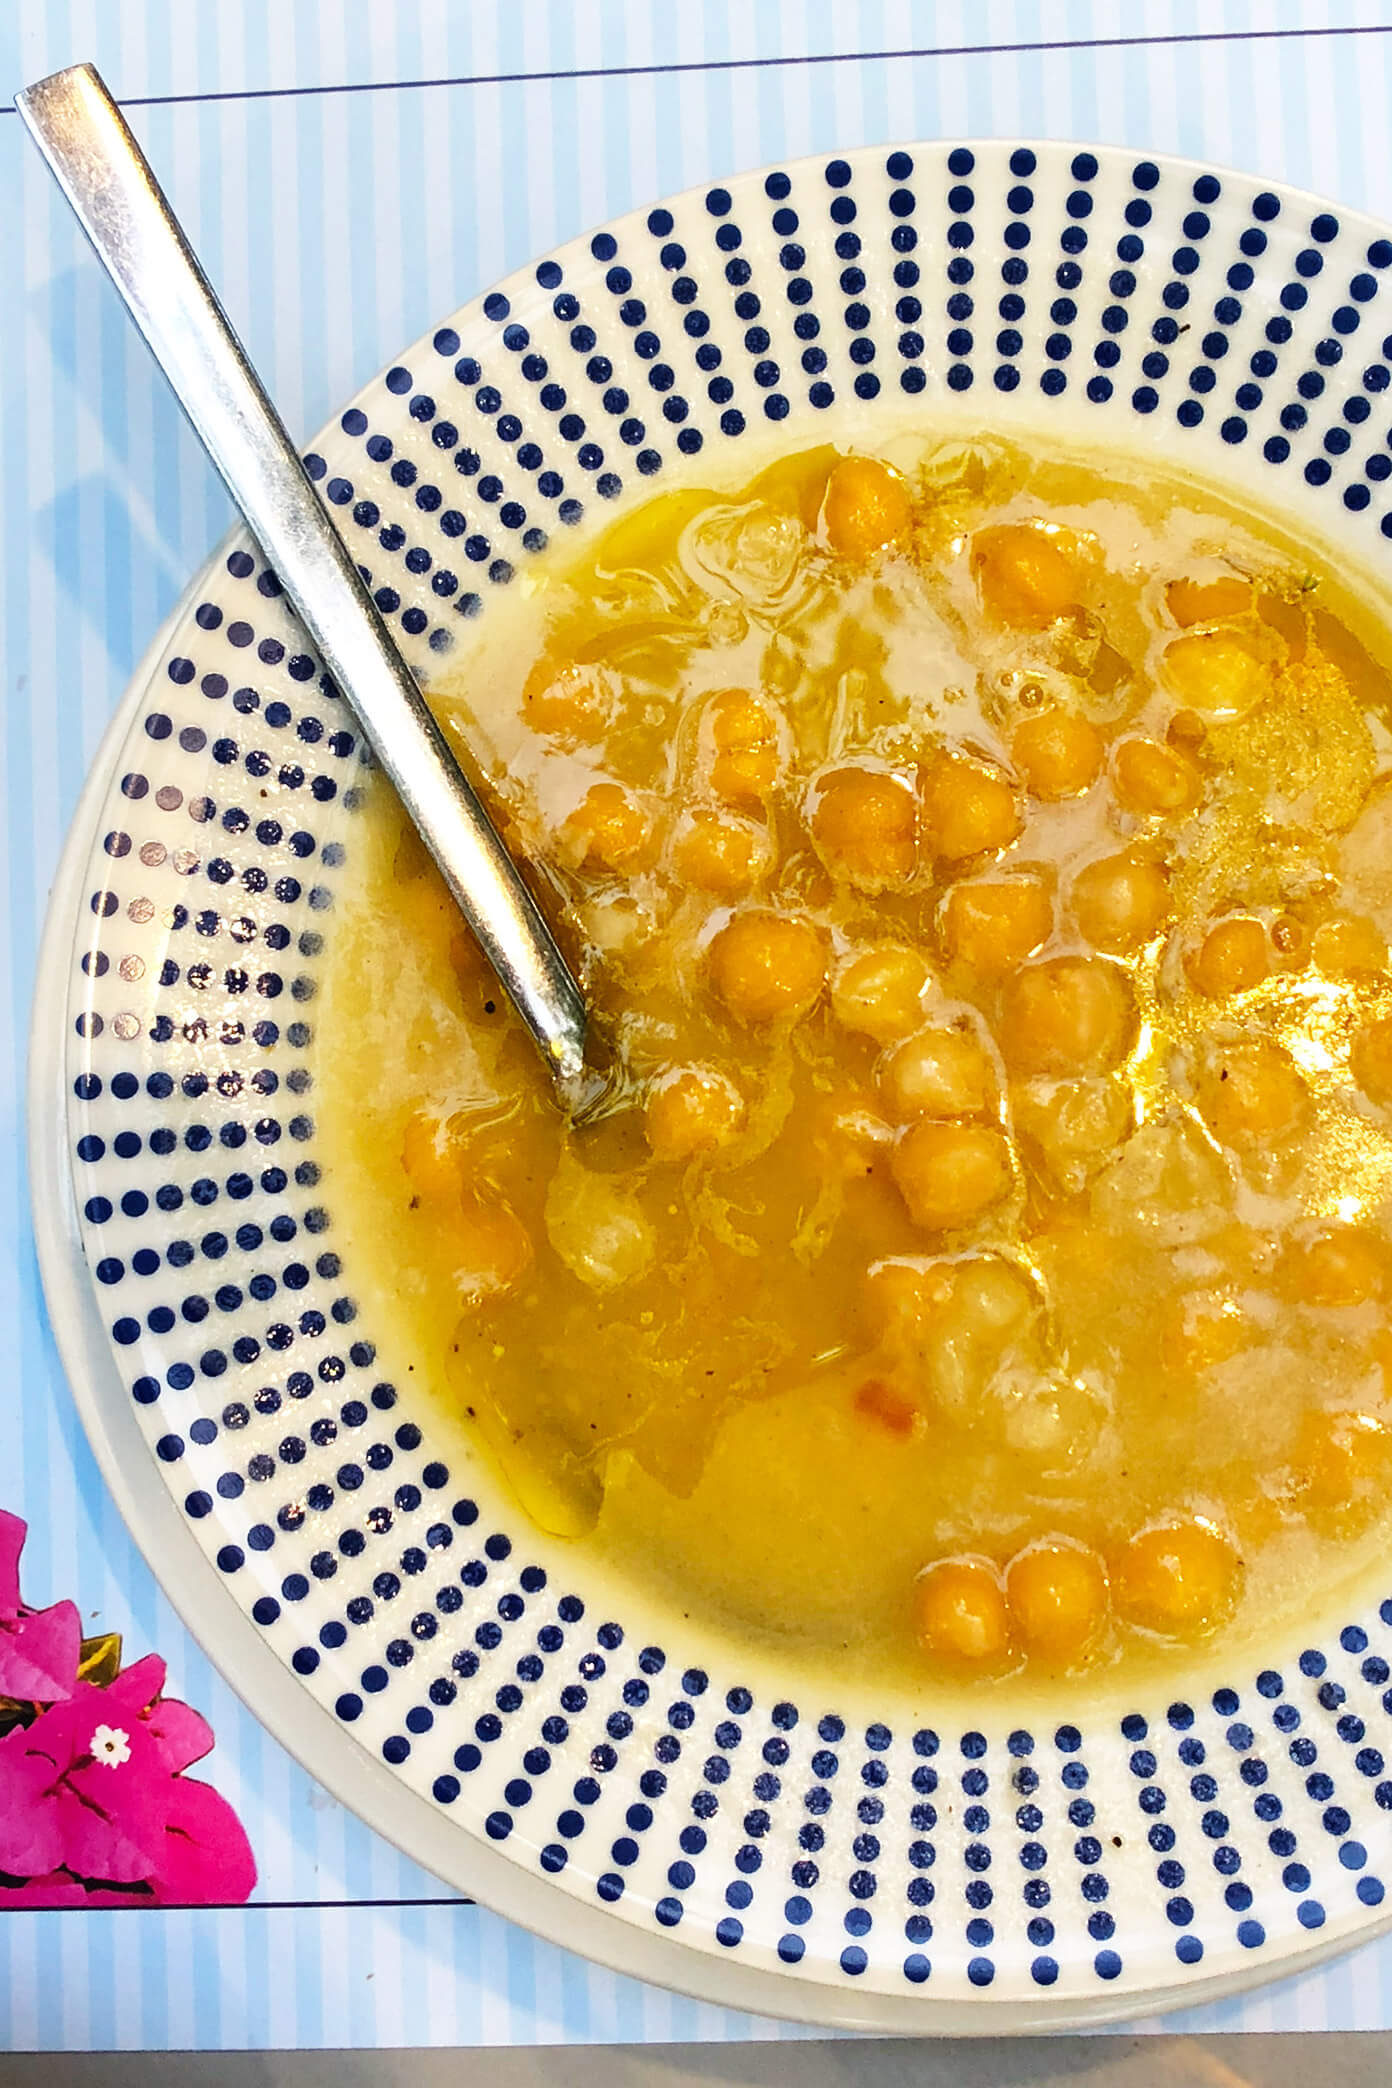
column 1205, row 1331
column 1215, row 673
column 1053, row 1419
column 1024, row 573
column 881, row 992
column 1187, row 731
column 1057, row 1595
column 609, row 830
column 1341, row 1463
column 768, row 967
column 939, row 1073
column 553, row 1491
column 865, row 824
column 736, row 718
column 691, row 1110
column 867, row 507
column 1178, row 1579
column 621, row 928
column 1251, row 1094
column 1067, row 1015
column 1233, row 957
column 1348, row 945
column 746, row 775
column 894, row 1298
column 715, row 852
column 431, row 1159
column 494, row 1249
column 597, row 1225
column 1340, row 1265
column 1058, row 752
column 989, row 1299
column 1167, row 1183
column 961, row 1614
column 968, row 809
column 990, row 1310
column 1208, row 601
column 569, row 702
column 1291, row 937
column 1154, row 779
column 995, row 926
column 1370, row 1061
column 744, row 734
column 1120, row 901
column 1248, row 1252
column 1076, row 1124
column 949, row 1174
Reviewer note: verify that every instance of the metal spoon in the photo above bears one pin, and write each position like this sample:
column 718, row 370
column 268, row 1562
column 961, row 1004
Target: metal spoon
column 120, row 206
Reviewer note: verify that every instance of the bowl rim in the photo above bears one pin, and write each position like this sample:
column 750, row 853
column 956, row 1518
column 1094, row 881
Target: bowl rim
column 248, row 1662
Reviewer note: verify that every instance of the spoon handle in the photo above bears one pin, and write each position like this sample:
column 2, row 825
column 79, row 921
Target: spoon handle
column 119, row 204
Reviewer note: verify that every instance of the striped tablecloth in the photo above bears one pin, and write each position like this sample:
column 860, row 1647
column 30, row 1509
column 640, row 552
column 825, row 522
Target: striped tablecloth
column 350, row 169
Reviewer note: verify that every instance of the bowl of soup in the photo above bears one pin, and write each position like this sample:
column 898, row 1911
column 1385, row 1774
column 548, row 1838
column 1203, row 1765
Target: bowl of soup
column 885, row 1524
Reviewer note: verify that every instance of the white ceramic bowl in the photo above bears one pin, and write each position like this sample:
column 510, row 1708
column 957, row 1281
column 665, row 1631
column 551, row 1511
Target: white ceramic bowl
column 557, row 1746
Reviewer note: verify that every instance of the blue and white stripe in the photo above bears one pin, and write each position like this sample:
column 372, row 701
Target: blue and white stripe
column 337, row 224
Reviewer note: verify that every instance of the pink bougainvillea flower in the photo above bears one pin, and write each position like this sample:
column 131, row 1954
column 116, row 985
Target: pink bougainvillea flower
column 92, row 1789
column 39, row 1649
column 178, row 1731
column 62, row 1805
column 58, row 1889
column 207, row 1859
column 94, row 1807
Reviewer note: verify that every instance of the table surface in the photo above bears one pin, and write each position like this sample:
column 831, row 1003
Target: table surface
column 350, row 173
column 1072, row 2062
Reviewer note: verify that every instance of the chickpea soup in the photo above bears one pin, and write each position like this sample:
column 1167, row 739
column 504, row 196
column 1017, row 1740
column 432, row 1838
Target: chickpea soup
column 983, row 866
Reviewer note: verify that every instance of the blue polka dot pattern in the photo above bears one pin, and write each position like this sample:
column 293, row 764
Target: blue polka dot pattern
column 1230, row 327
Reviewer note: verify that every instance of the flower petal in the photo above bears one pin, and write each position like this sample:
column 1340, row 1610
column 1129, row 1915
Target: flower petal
column 13, row 1531
column 117, row 1842
column 207, row 1859
column 55, row 1889
column 136, row 1687
column 39, row 1654
column 31, row 1831
column 180, row 1733
column 112, row 1816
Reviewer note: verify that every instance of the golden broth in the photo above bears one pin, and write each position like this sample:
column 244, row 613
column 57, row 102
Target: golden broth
column 984, row 869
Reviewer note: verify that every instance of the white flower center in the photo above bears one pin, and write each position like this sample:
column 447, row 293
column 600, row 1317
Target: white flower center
column 110, row 1745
